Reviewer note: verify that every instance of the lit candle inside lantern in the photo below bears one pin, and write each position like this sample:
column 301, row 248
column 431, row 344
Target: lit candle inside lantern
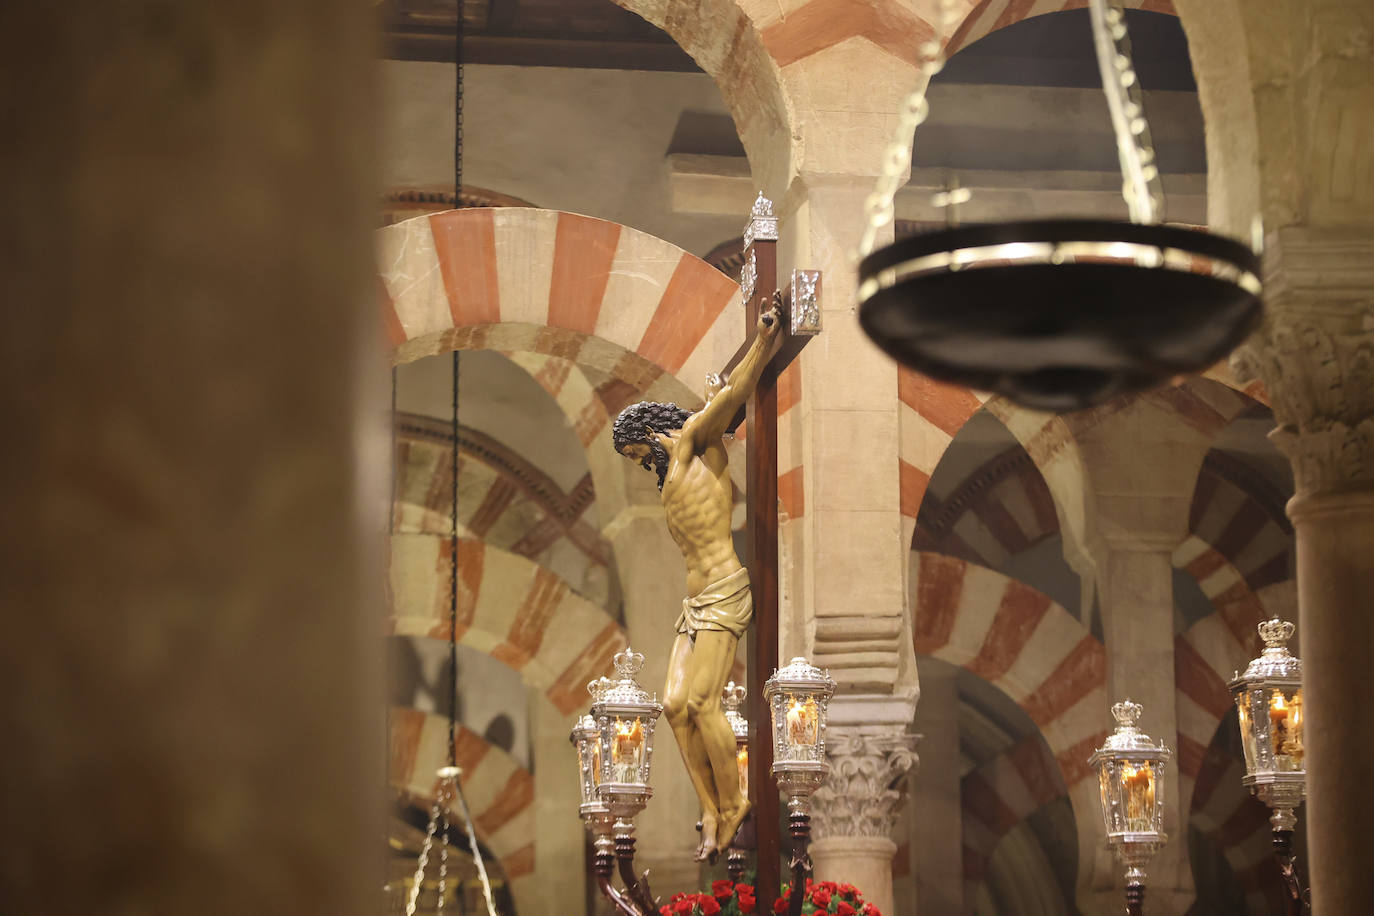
column 625, row 750
column 1285, row 730
column 1278, row 721
column 742, row 762
column 1140, row 796
column 596, row 762
column 802, row 722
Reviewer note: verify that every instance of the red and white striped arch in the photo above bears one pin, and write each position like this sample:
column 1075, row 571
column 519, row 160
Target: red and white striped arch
column 1000, row 794
column 1020, row 641
column 509, row 608
column 1212, row 650
column 570, row 288
column 594, row 292
column 572, row 391
column 988, row 16
column 1254, row 538
column 499, row 791
column 506, row 502
column 933, row 413
column 1238, row 825
column 1001, row 509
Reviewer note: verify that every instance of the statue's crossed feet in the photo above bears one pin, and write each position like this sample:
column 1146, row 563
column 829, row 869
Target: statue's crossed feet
column 707, row 851
column 729, row 823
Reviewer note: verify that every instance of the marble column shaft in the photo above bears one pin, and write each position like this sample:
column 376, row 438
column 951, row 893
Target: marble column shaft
column 936, row 809
column 1315, row 355
column 193, row 401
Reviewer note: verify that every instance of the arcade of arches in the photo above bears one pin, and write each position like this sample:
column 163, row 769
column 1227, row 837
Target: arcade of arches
column 217, row 648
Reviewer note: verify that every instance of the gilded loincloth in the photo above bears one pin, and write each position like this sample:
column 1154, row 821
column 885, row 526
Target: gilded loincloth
column 726, row 605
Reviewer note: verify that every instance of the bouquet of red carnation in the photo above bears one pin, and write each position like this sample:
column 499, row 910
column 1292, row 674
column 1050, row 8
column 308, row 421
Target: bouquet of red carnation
column 828, row 897
column 726, row 899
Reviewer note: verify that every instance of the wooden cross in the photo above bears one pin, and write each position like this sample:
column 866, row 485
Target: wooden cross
column 801, row 321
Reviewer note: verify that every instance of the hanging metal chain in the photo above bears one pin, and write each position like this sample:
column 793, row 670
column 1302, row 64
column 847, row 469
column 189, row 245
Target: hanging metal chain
column 458, row 111
column 443, row 867
column 476, row 851
column 1141, row 186
column 879, row 208
column 391, row 506
column 453, row 586
column 423, row 860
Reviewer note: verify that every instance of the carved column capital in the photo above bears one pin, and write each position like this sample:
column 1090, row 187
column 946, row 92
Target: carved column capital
column 864, row 792
column 1315, row 355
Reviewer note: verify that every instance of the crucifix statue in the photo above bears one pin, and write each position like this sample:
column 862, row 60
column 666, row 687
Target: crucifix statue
column 687, row 452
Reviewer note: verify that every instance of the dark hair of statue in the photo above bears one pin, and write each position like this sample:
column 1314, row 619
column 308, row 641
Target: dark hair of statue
column 630, row 428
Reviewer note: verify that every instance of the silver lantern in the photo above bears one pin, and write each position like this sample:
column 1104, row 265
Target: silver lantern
column 732, row 698
column 586, row 739
column 1130, row 773
column 798, row 696
column 1269, row 704
column 625, row 714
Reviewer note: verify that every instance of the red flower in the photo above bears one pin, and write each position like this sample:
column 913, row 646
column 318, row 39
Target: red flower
column 780, row 905
column 684, row 906
column 848, row 890
column 871, row 910
column 844, row 909
column 821, row 897
column 722, row 889
column 746, row 903
column 709, row 907
column 745, row 889
column 830, row 886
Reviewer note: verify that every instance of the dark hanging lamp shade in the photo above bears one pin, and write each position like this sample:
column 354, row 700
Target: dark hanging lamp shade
column 1059, row 314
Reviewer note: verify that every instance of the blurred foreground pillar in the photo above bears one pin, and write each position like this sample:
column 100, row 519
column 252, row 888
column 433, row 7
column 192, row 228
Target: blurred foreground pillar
column 189, row 567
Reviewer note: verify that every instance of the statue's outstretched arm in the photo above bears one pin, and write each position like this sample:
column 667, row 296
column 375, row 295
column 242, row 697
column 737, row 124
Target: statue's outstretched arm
column 711, row 421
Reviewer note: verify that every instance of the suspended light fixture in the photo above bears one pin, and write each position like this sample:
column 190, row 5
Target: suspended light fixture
column 1057, row 314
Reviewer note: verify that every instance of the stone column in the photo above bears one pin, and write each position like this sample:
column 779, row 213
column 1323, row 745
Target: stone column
column 1141, row 461
column 193, row 399
column 850, row 584
column 1137, row 601
column 1316, row 358
column 936, row 813
column 854, row 812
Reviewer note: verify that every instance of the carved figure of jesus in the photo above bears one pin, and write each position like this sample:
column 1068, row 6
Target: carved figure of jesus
column 687, row 451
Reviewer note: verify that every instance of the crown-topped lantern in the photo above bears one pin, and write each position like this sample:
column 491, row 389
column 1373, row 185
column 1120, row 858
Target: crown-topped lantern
column 798, row 695
column 1130, row 774
column 625, row 714
column 732, row 698
column 1269, row 705
column 586, row 738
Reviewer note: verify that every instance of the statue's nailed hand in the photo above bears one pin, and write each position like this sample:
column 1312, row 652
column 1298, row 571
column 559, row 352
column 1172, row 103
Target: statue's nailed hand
column 769, row 322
